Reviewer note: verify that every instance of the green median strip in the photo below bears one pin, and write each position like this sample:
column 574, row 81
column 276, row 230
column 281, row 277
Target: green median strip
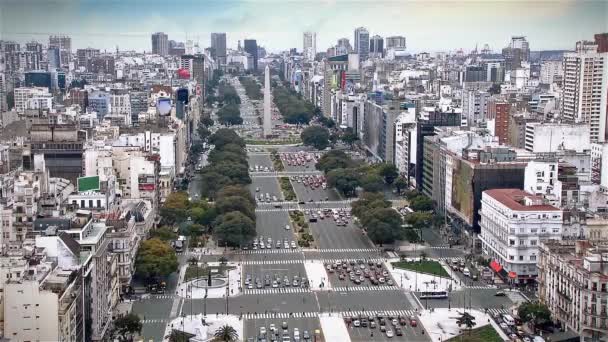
column 423, row 266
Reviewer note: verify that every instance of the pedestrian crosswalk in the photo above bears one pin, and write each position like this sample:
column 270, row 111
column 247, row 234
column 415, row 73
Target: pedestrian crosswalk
column 269, row 251
column 459, row 259
column 277, row 290
column 157, row 296
column 365, row 288
column 343, row 250
column 272, row 262
column 155, row 321
column 390, row 313
column 479, row 287
column 264, row 315
column 493, row 311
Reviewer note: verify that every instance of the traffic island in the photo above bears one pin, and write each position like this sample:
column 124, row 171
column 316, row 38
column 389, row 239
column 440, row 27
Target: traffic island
column 301, row 228
column 287, row 189
column 225, row 281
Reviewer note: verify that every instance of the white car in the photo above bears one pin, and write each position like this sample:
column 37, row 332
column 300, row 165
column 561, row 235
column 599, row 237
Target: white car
column 262, row 330
column 389, row 333
column 287, row 227
column 293, row 244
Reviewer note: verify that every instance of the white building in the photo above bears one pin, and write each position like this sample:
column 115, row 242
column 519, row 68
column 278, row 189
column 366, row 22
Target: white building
column 310, row 45
column 599, row 164
column 551, row 71
column 405, row 141
column 32, row 98
column 551, row 137
column 513, row 223
column 540, row 177
column 585, row 96
column 474, row 106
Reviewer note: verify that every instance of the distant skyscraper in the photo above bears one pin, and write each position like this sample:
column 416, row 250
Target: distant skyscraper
column 53, row 57
column 362, row 43
column 160, row 44
column 218, row 44
column 376, row 46
column 85, row 55
column 343, row 47
column 267, row 116
column 310, row 45
column 518, row 51
column 395, row 42
column 251, row 47
column 64, row 43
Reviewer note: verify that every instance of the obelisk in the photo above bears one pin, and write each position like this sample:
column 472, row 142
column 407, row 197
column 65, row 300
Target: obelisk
column 267, row 117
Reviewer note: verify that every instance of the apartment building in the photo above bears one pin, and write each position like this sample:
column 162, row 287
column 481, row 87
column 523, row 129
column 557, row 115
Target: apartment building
column 573, row 283
column 513, row 224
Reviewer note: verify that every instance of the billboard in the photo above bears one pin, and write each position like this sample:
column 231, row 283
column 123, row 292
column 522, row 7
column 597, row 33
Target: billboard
column 163, row 105
column 88, row 183
column 146, row 182
column 462, row 190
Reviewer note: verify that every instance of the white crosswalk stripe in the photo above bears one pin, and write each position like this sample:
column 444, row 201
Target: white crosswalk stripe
column 393, row 313
column 480, row 287
column 153, row 321
column 264, row 315
column 277, row 290
column 272, row 262
column 459, row 259
column 500, row 311
column 365, row 288
column 270, row 251
column 327, row 250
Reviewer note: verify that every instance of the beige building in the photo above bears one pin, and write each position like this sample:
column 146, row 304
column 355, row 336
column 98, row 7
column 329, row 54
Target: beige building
column 573, row 283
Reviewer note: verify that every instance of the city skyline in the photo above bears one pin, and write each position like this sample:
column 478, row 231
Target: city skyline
column 278, row 25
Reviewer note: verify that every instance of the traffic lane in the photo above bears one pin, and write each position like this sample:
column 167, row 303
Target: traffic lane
column 153, row 331
column 265, row 185
column 272, row 225
column 318, row 195
column 274, row 271
column 266, row 303
column 332, row 236
column 342, row 255
column 332, row 301
column 378, row 273
column 368, row 334
column 252, row 326
column 464, row 280
column 260, row 160
column 153, row 307
column 264, row 257
column 476, row 298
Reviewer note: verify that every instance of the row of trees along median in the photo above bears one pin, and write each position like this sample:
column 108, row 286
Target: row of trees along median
column 252, row 88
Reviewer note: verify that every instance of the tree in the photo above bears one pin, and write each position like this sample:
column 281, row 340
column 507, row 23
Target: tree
column 155, row 258
column 534, row 313
column 349, row 136
column 389, row 172
column 236, row 190
column 327, row 122
column 400, row 184
column 372, row 183
column 235, row 203
column 367, row 202
column 233, row 229
column 315, row 136
column 207, row 121
column 421, row 203
column 229, row 115
column 179, row 336
column 345, row 180
column 383, row 225
column 163, row 233
column 224, row 136
column 203, row 132
column 334, row 159
column 175, row 209
column 419, row 219
column 126, row 326
column 467, row 320
column 225, row 333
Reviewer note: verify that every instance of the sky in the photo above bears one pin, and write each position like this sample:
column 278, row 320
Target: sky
column 278, row 24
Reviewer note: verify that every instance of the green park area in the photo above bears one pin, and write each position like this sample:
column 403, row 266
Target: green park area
column 423, row 266
column 483, row 334
column 194, row 271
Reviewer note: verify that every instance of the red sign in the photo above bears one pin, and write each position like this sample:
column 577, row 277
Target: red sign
column 512, row 275
column 146, row 187
column 343, row 81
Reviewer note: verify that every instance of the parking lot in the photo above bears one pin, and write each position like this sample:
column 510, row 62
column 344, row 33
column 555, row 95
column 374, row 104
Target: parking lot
column 274, row 277
column 354, row 273
column 305, row 327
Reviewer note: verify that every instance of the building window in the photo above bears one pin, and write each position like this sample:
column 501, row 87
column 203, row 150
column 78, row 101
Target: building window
column 532, row 257
column 532, row 242
column 521, row 258
column 522, row 242
column 511, row 257
column 511, row 242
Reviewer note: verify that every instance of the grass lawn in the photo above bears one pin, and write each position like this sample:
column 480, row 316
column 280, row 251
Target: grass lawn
column 426, row 266
column 483, row 334
column 191, row 271
column 287, row 189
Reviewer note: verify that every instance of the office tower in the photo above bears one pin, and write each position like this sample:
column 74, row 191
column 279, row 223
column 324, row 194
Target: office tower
column 64, row 43
column 34, row 47
column 601, row 40
column 518, row 51
column 84, row 56
column 310, row 45
column 251, row 47
column 343, row 47
column 362, row 43
column 267, row 117
column 53, row 57
column 160, row 44
column 376, row 46
column 218, row 44
column 395, row 42
column 3, row 106
column 585, row 80
column 176, row 48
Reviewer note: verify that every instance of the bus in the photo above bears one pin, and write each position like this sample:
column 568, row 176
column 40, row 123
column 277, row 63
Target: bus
column 433, row 295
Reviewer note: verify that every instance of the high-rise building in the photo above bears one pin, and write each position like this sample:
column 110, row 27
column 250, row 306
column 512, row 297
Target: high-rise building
column 160, row 44
column 362, row 43
column 498, row 111
column 84, row 56
column 176, row 48
column 584, row 87
column 251, row 47
column 518, row 51
column 601, row 40
column 343, row 47
column 218, row 44
column 34, row 47
column 376, row 46
column 53, row 57
column 395, row 42
column 64, row 43
column 309, row 48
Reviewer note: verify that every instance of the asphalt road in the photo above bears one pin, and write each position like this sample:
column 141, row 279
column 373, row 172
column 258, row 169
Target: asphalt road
column 252, row 326
column 328, row 235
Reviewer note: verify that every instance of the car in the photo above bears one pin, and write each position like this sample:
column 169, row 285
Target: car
column 278, row 245
column 500, row 294
column 306, row 335
column 287, row 227
column 275, row 284
column 413, row 321
column 262, row 330
column 272, row 328
column 293, row 244
column 395, row 322
column 357, row 323
column 257, row 189
column 389, row 333
column 383, row 328
column 364, row 322
column 284, row 326
column 372, row 324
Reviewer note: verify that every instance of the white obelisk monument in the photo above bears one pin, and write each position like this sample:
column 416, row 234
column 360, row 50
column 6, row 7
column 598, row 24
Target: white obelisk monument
column 267, row 117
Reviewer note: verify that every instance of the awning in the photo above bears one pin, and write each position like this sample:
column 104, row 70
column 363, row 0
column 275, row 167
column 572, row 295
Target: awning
column 495, row 266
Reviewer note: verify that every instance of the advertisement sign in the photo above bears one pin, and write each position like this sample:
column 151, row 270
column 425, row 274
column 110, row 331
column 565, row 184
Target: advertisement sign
column 163, row 105
column 88, row 183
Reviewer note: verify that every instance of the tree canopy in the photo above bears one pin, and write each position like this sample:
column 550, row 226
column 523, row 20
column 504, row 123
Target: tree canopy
column 233, row 229
column 334, row 159
column 421, row 203
column 126, row 326
column 252, row 88
column 293, row 108
column 344, row 180
column 225, row 333
column 155, row 258
column 535, row 313
column 315, row 136
column 229, row 114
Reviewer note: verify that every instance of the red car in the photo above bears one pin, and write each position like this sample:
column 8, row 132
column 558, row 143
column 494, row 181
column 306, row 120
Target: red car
column 413, row 322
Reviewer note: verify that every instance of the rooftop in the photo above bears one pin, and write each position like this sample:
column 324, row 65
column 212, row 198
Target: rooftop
column 519, row 200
